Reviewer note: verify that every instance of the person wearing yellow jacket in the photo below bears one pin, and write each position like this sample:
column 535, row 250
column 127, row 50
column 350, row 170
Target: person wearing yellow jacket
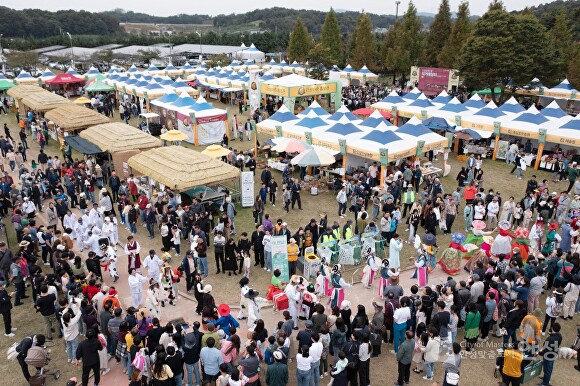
column 347, row 231
column 292, row 256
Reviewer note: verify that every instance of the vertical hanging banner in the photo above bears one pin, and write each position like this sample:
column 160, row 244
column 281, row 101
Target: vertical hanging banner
column 280, row 256
column 247, row 189
column 254, row 91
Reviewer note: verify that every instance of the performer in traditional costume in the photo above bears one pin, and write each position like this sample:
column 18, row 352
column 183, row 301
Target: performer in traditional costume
column 475, row 238
column 309, row 299
column 451, row 257
column 552, row 237
column 503, row 241
column 421, row 269
column 370, row 268
column 254, row 306
column 384, row 276
column 244, row 288
column 338, row 286
column 165, row 281
column 110, row 257
column 483, row 254
column 323, row 287
column 132, row 249
column 152, row 301
column 535, row 237
column 522, row 242
column 294, row 294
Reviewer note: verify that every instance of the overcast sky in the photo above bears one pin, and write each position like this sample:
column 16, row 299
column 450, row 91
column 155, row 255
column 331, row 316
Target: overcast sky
column 173, row 7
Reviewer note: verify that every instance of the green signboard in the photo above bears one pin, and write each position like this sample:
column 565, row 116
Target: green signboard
column 280, row 256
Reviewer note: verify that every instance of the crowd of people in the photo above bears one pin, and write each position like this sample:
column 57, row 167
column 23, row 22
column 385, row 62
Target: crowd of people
column 84, row 201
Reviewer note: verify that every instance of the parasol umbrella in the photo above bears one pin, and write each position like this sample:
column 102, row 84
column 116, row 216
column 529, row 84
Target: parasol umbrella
column 216, row 151
column 173, row 135
column 291, row 145
column 363, row 111
column 458, row 238
column 82, row 101
column 313, row 157
column 386, row 114
column 429, row 239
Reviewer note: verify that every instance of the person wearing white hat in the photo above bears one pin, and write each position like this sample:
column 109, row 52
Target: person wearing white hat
column 294, row 297
column 69, row 221
column 110, row 257
column 338, row 285
column 107, row 230
column 136, row 281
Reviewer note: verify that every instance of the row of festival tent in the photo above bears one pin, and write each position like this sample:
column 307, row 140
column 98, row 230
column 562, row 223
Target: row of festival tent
column 365, row 138
column 475, row 114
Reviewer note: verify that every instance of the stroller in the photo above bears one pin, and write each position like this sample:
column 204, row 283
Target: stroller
column 39, row 357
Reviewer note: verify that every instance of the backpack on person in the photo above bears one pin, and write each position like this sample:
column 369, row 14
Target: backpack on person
column 351, row 351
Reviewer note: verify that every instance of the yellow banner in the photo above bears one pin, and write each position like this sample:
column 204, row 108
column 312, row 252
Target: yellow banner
column 267, row 130
column 565, row 94
column 408, row 114
column 519, row 133
column 477, row 126
column 328, row 145
column 436, row 146
column 555, row 138
column 269, row 89
column 367, row 154
column 294, row 136
column 316, row 89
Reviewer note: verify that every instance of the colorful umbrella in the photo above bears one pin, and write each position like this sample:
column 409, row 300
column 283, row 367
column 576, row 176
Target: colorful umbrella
column 82, row 101
column 216, row 151
column 363, row 111
column 313, row 157
column 290, row 145
column 458, row 238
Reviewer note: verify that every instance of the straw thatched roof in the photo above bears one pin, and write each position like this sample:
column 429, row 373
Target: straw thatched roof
column 75, row 117
column 19, row 92
column 43, row 101
column 180, row 168
column 117, row 136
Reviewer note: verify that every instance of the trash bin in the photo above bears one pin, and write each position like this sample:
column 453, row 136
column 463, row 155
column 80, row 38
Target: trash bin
column 531, row 371
column 311, row 265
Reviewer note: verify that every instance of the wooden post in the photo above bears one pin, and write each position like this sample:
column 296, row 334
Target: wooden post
column 539, row 156
column 195, row 138
column 456, row 146
column 253, row 123
column 228, row 123
column 344, row 165
column 541, row 141
column 382, row 177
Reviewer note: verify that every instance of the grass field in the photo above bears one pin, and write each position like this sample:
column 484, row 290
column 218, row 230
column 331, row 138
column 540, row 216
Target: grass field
column 478, row 370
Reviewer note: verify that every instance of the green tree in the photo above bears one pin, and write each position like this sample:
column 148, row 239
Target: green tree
column 561, row 39
column 438, row 34
column 319, row 58
column 27, row 60
column 330, row 38
column 217, row 60
column 451, row 52
column 503, row 48
column 573, row 73
column 105, row 56
column 363, row 48
column 300, row 42
column 146, row 56
column 403, row 46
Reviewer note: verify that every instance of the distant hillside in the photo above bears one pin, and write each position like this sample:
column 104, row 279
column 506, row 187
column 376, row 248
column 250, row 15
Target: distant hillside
column 547, row 13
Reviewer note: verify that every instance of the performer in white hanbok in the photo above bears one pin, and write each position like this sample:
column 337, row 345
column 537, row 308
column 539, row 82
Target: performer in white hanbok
column 136, row 281
column 294, row 294
column 69, row 221
column 152, row 301
column 153, row 264
column 244, row 288
column 338, row 286
column 535, row 237
column 79, row 232
column 107, row 230
column 110, row 257
column 255, row 304
column 115, row 235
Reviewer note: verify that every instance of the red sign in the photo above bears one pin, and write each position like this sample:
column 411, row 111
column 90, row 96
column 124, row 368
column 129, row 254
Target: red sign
column 214, row 118
column 433, row 80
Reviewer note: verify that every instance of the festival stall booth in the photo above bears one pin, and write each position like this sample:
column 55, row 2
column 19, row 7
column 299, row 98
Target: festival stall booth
column 442, row 99
column 99, row 86
column 67, row 84
column 203, row 123
column 253, row 54
column 120, row 141
column 511, row 107
column 390, row 104
column 294, row 68
column 20, row 91
column 486, row 119
column 24, row 78
column 553, row 111
column 93, row 73
column 47, row 75
column 184, row 171
column 43, row 101
column 5, row 84
column 363, row 75
column 69, row 118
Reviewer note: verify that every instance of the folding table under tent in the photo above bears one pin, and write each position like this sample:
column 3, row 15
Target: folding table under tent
column 81, row 145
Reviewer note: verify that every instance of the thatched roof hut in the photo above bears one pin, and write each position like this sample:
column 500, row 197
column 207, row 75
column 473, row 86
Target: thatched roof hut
column 19, row 92
column 116, row 136
column 180, row 168
column 43, row 101
column 75, row 117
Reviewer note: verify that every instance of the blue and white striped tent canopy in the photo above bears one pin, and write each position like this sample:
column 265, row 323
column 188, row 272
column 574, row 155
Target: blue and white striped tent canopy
column 374, row 120
column 152, row 69
column 170, row 67
column 342, row 129
column 282, row 115
column 295, row 64
column 311, row 122
column 266, row 77
column 474, row 103
column 72, row 71
column 133, row 69
column 393, row 98
column 187, row 66
column 365, row 70
column 348, row 68
column 422, row 102
column 184, row 101
column 166, row 99
column 46, row 75
column 92, row 71
column 414, row 127
column 530, row 121
column 454, row 106
column 412, row 95
column 24, row 75
column 511, row 106
column 553, row 111
column 343, row 113
column 442, row 99
column 490, row 110
column 564, row 85
column 201, row 104
column 573, row 124
column 314, row 110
